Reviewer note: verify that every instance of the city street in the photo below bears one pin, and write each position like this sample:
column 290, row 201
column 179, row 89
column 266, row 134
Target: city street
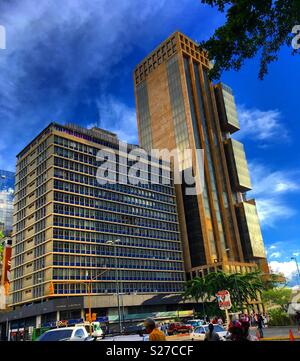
column 274, row 333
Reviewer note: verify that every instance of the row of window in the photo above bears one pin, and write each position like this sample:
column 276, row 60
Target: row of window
column 82, row 248
column 113, row 217
column 77, row 274
column 92, row 150
column 113, row 228
column 113, row 196
column 114, row 207
column 147, row 190
column 91, row 261
column 124, row 240
column 125, row 166
column 107, row 287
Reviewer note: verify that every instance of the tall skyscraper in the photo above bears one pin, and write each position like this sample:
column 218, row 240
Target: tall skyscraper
column 178, row 107
column 7, row 183
column 70, row 230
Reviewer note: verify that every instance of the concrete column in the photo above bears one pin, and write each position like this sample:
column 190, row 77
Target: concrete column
column 82, row 314
column 57, row 315
column 38, row 321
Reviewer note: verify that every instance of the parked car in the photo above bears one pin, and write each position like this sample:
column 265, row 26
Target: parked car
column 199, row 333
column 195, row 323
column 66, row 334
column 179, row 327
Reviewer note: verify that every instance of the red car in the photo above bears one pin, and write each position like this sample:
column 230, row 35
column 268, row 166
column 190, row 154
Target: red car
column 179, row 327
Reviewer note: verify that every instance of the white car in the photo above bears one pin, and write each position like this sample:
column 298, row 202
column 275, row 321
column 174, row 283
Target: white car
column 94, row 328
column 199, row 333
column 66, row 334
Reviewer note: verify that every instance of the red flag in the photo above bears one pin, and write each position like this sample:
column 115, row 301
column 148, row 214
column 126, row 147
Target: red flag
column 292, row 338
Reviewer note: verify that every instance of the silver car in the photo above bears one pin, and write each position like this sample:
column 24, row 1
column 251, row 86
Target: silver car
column 199, row 333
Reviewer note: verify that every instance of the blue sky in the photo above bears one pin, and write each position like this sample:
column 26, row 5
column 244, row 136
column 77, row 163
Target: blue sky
column 72, row 61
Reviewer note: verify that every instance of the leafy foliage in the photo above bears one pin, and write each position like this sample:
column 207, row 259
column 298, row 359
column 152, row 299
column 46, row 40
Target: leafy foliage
column 277, row 297
column 243, row 287
column 279, row 318
column 251, row 26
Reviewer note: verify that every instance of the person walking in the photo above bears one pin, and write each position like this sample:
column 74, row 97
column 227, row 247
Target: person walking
column 154, row 333
column 211, row 335
column 260, row 325
column 298, row 320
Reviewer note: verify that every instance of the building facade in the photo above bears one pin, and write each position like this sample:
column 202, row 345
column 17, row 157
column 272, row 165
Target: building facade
column 178, row 107
column 66, row 223
column 7, row 183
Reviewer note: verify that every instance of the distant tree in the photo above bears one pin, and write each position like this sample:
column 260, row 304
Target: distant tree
column 273, row 280
column 243, row 287
column 251, row 27
column 198, row 289
column 277, row 297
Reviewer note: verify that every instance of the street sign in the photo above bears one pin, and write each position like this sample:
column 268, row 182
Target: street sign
column 224, row 300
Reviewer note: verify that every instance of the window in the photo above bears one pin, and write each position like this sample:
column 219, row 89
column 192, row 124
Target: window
column 79, row 333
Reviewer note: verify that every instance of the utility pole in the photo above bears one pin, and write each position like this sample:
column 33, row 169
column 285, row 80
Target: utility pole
column 295, row 259
column 114, row 243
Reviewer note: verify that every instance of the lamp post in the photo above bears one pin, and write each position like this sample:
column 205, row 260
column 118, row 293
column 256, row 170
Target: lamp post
column 88, row 287
column 295, row 259
column 114, row 243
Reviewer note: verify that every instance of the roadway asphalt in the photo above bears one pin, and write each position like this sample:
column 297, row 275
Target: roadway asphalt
column 276, row 333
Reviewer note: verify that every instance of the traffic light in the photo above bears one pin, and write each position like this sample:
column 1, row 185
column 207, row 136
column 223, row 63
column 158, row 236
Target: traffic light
column 93, row 317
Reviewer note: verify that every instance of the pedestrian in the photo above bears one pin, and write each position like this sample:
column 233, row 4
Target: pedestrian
column 235, row 330
column 246, row 334
column 166, row 329
column 220, row 321
column 207, row 319
column 260, row 325
column 154, row 333
column 298, row 320
column 253, row 321
column 211, row 335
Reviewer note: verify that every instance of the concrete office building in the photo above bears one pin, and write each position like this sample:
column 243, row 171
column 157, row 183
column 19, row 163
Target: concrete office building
column 66, row 225
column 178, row 107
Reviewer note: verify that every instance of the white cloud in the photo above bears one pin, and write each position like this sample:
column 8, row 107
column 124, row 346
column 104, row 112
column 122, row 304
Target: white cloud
column 58, row 51
column 267, row 181
column 287, row 268
column 270, row 189
column 260, row 125
column 275, row 255
column 273, row 247
column 296, row 254
column 118, row 118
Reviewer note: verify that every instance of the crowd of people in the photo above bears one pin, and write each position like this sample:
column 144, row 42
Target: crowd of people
column 238, row 328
